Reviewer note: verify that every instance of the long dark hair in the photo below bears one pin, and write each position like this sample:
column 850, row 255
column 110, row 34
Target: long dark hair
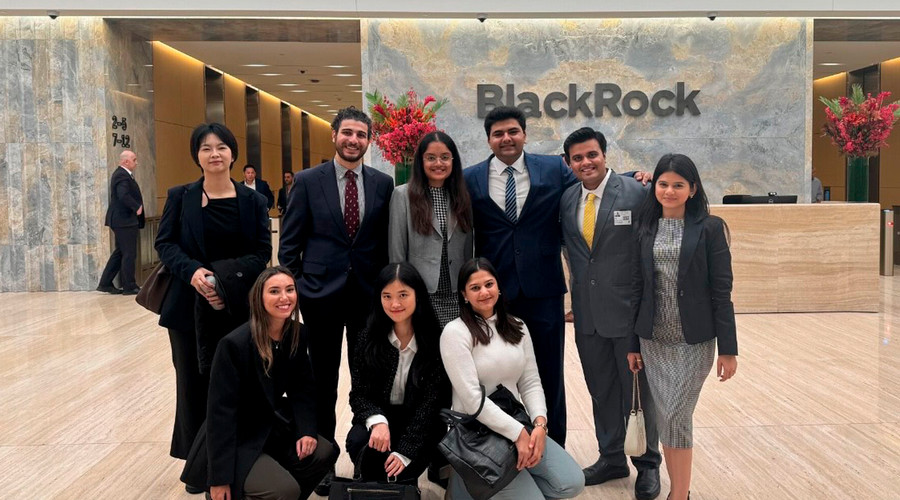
column 420, row 206
column 697, row 206
column 425, row 325
column 259, row 318
column 508, row 326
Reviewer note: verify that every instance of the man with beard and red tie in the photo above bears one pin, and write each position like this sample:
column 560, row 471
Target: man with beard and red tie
column 334, row 240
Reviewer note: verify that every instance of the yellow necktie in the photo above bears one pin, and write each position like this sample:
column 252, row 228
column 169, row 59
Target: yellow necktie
column 590, row 214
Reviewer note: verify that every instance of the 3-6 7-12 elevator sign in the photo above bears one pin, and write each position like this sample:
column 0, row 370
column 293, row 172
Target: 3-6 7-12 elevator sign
column 605, row 98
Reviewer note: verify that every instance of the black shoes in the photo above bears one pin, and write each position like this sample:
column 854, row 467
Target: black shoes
column 109, row 289
column 131, row 291
column 602, row 472
column 646, row 487
column 324, row 486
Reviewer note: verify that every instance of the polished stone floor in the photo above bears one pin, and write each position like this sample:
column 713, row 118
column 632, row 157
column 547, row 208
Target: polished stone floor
column 87, row 397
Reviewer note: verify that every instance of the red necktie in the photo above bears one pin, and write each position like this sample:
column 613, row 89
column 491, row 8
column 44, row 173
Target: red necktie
column 351, row 204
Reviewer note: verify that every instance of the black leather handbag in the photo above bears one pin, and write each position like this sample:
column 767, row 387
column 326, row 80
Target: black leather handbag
column 484, row 460
column 348, row 489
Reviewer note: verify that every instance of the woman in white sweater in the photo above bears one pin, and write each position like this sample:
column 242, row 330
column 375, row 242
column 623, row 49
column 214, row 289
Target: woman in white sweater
column 487, row 346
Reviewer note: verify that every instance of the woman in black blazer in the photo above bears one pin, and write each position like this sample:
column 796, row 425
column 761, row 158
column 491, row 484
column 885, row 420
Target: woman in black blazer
column 683, row 298
column 209, row 222
column 398, row 382
column 261, row 419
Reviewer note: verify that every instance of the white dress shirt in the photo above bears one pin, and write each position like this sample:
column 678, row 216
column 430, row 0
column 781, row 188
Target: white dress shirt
column 251, row 185
column 599, row 196
column 497, row 182
column 398, row 390
column 340, row 171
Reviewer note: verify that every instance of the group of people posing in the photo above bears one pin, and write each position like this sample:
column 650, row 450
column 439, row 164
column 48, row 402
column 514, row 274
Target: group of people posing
column 451, row 282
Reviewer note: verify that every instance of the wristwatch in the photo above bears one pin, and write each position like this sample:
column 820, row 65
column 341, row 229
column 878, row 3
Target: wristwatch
column 542, row 425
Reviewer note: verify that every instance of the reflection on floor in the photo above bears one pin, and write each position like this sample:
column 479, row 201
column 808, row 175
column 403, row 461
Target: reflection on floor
column 87, row 392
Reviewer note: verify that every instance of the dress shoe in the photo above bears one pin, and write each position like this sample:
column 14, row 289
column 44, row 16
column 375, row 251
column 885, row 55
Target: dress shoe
column 193, row 490
column 646, row 487
column 131, row 291
column 109, row 289
column 324, row 486
column 602, row 472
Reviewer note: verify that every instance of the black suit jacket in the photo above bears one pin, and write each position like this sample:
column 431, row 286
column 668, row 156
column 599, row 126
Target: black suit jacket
column 315, row 245
column 282, row 200
column 262, row 187
column 704, row 286
column 181, row 248
column 124, row 201
column 242, row 404
column 370, row 394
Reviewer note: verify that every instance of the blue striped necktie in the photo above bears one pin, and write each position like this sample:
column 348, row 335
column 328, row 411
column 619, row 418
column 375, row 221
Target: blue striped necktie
column 511, row 195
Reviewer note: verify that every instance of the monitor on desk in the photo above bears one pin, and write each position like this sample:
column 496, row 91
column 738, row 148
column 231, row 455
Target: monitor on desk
column 740, row 199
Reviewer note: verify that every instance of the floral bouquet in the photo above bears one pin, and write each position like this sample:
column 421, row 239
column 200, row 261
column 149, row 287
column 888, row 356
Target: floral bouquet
column 398, row 127
column 859, row 126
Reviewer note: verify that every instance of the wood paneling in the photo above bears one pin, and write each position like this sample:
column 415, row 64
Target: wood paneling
column 889, row 180
column 830, row 166
column 798, row 258
column 321, row 147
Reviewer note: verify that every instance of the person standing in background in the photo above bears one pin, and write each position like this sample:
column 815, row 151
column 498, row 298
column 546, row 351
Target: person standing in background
column 817, row 195
column 258, row 185
column 125, row 216
column 288, row 178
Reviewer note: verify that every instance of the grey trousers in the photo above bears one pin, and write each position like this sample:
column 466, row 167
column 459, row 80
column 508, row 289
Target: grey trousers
column 557, row 475
column 270, row 480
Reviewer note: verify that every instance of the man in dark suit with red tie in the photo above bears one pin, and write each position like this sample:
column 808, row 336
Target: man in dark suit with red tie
column 125, row 216
column 334, row 240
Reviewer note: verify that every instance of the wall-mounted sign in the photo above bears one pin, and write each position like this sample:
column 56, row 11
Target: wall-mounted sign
column 607, row 98
column 123, row 140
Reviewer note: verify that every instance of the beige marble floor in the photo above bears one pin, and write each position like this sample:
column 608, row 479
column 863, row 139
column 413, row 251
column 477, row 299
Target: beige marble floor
column 87, row 398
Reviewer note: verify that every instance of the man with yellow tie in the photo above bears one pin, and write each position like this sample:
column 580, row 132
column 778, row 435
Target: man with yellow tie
column 597, row 219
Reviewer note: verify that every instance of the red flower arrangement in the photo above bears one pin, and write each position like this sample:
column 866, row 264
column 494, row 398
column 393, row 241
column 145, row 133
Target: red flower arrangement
column 399, row 126
column 860, row 125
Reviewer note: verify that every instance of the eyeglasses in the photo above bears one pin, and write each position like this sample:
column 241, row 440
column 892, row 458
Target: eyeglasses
column 435, row 159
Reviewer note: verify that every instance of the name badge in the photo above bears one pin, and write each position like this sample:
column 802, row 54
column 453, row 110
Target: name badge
column 622, row 217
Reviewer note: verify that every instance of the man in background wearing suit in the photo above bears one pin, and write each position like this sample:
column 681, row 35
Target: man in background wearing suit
column 597, row 218
column 334, row 240
column 125, row 216
column 261, row 186
column 288, row 178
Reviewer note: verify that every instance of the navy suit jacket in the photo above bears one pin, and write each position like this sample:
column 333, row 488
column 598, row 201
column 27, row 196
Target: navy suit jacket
column 262, row 187
column 525, row 254
column 315, row 245
column 124, row 201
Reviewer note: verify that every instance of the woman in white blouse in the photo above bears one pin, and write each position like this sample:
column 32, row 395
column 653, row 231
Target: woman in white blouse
column 487, row 346
column 398, row 385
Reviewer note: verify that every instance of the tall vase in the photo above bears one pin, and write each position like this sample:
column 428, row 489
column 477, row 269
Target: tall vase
column 858, row 179
column 401, row 172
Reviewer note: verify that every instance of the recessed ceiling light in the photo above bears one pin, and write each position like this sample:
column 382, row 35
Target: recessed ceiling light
column 343, row 74
column 270, row 74
column 316, row 100
column 148, row 65
column 288, row 84
column 324, row 105
column 332, row 111
column 358, row 91
column 134, row 84
column 256, row 65
column 299, row 90
column 830, row 64
column 354, row 85
column 337, row 66
column 150, row 91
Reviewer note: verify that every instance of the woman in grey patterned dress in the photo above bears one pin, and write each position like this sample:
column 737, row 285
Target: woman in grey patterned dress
column 684, row 306
column 431, row 221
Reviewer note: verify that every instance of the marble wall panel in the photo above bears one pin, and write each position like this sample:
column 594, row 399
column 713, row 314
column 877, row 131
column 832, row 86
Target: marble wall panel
column 753, row 76
column 60, row 83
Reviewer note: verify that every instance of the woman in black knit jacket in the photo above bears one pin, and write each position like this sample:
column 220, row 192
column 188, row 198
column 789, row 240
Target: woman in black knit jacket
column 398, row 382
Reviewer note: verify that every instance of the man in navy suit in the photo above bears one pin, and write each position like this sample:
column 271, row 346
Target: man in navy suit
column 125, row 216
column 334, row 240
column 259, row 185
column 515, row 205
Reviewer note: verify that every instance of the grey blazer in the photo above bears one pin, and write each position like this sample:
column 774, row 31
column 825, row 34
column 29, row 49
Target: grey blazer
column 601, row 278
column 424, row 251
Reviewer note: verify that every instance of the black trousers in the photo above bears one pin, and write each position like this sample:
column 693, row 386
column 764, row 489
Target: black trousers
column 191, row 388
column 545, row 319
column 121, row 260
column 371, row 461
column 325, row 319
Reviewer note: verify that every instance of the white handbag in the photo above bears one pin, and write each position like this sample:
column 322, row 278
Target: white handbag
column 636, row 432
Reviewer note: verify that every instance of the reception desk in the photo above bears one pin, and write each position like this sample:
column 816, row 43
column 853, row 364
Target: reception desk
column 804, row 258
